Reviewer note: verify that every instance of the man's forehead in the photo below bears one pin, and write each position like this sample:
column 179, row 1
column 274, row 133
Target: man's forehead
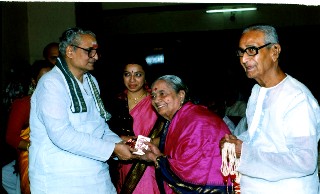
column 251, row 41
column 90, row 41
column 253, row 35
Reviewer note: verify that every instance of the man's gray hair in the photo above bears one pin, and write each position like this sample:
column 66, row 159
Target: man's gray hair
column 270, row 33
column 72, row 36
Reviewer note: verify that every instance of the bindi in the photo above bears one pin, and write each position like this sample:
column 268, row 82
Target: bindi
column 94, row 45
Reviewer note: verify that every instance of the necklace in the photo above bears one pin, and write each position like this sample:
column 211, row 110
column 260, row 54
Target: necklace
column 136, row 100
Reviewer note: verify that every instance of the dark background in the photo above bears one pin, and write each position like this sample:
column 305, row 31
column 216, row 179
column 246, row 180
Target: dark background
column 206, row 61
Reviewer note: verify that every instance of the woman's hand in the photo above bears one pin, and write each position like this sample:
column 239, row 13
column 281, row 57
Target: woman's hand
column 151, row 153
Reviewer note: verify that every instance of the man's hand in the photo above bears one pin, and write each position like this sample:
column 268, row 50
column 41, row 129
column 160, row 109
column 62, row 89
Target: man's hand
column 124, row 152
column 232, row 139
column 126, row 138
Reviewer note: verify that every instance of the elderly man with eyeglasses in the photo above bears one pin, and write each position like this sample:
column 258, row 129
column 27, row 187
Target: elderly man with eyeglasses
column 278, row 153
column 70, row 139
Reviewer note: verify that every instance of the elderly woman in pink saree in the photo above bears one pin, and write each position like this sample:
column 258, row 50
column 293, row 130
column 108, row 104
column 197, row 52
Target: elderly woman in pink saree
column 188, row 159
column 133, row 115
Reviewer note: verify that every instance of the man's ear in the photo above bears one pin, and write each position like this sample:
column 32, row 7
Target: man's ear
column 276, row 49
column 69, row 51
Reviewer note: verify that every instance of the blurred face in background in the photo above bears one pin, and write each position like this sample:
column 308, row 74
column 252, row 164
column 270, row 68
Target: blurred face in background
column 42, row 72
column 52, row 54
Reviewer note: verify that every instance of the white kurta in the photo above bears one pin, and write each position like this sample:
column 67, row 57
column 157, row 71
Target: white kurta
column 68, row 150
column 279, row 152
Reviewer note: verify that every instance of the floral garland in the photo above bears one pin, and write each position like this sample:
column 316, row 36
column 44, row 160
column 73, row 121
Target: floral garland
column 229, row 167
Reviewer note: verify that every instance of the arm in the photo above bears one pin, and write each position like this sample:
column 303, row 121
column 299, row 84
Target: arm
column 292, row 146
column 84, row 134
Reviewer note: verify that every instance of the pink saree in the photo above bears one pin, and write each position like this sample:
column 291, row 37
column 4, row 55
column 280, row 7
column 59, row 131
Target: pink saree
column 144, row 119
column 192, row 146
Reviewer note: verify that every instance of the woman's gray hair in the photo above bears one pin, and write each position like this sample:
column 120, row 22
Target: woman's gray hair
column 176, row 84
column 72, row 36
column 270, row 33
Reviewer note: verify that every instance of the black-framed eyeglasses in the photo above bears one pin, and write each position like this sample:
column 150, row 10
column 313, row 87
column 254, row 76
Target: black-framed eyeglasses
column 91, row 52
column 251, row 51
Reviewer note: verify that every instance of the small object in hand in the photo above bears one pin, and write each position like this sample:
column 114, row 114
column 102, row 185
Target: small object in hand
column 139, row 145
column 132, row 142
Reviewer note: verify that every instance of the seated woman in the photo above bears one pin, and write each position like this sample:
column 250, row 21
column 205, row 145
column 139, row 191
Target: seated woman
column 188, row 159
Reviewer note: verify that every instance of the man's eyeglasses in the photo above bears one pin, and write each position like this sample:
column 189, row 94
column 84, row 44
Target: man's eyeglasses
column 251, row 51
column 91, row 52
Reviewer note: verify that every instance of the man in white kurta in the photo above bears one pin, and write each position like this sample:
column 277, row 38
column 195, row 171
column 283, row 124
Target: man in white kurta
column 70, row 139
column 278, row 152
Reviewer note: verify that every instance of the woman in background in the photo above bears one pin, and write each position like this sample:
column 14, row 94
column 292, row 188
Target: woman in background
column 17, row 134
column 133, row 115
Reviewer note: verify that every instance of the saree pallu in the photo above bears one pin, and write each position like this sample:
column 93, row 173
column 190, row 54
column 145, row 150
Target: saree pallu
column 192, row 149
column 130, row 180
column 23, row 163
column 164, row 173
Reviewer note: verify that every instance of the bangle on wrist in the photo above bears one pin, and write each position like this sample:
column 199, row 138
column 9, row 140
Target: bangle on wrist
column 156, row 163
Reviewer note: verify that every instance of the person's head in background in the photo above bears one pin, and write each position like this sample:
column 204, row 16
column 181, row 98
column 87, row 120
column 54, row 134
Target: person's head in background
column 37, row 70
column 23, row 81
column 17, row 85
column 51, row 52
column 134, row 74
